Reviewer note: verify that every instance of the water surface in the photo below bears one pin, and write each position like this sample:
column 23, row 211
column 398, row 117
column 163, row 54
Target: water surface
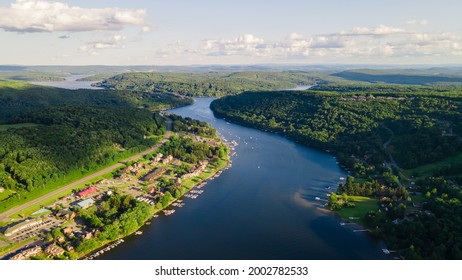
column 267, row 206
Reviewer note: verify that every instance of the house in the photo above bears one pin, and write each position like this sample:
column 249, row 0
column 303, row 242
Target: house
column 154, row 174
column 158, row 157
column 84, row 204
column 27, row 253
column 167, row 160
column 54, row 250
column 69, row 248
column 88, row 191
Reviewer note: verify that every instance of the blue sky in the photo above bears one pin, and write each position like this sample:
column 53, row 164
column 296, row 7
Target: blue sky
column 180, row 32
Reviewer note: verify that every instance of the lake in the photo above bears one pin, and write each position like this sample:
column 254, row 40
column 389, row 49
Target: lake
column 264, row 207
column 70, row 83
column 269, row 205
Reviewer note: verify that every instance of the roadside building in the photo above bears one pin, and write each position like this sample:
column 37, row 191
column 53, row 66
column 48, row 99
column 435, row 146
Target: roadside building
column 27, row 253
column 88, row 191
column 84, row 204
column 24, row 225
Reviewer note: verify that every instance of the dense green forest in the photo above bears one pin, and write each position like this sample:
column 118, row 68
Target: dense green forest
column 19, row 97
column 368, row 127
column 399, row 77
column 52, row 136
column 208, row 84
column 425, row 126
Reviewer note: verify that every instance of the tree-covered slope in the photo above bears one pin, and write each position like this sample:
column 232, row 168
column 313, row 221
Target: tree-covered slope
column 208, row 84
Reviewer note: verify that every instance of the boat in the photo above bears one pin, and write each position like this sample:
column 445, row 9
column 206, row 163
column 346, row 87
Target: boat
column 138, row 233
column 342, row 178
column 317, row 198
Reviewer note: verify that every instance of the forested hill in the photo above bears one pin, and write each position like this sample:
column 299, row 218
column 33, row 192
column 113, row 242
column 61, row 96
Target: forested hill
column 20, row 97
column 425, row 123
column 399, row 77
column 50, row 137
column 418, row 217
column 208, row 84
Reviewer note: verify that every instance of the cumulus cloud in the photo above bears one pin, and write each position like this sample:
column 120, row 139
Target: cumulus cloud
column 49, row 16
column 422, row 22
column 112, row 42
column 381, row 42
column 246, row 44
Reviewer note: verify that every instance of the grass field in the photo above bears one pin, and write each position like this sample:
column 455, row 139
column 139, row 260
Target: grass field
column 363, row 205
column 5, row 194
column 429, row 169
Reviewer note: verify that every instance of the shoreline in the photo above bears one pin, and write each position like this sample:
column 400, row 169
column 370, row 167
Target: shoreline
column 103, row 248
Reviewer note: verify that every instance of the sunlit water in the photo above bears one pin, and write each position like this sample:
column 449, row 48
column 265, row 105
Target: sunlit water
column 269, row 205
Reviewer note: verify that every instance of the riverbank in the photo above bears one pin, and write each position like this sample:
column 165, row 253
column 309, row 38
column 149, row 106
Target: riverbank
column 196, row 182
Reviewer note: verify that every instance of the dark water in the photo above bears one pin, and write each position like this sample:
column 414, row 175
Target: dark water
column 264, row 207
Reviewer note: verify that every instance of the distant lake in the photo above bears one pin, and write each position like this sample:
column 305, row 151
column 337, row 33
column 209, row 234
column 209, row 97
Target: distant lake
column 70, row 83
column 269, row 205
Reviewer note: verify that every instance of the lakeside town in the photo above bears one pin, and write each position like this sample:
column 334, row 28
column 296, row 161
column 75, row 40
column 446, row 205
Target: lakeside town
column 154, row 185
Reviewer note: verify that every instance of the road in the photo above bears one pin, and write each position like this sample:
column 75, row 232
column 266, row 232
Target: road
column 19, row 208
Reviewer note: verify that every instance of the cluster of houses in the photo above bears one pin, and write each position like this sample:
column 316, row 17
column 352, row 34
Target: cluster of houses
column 197, row 171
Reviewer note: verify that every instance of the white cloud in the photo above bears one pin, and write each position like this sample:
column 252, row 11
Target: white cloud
column 381, row 30
column 422, row 22
column 112, row 42
column 49, row 16
column 360, row 43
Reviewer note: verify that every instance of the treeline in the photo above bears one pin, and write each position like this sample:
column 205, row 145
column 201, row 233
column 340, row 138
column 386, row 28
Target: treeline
column 424, row 125
column 207, row 84
column 187, row 150
column 54, row 136
column 188, row 125
column 19, row 97
column 432, row 232
column 71, row 138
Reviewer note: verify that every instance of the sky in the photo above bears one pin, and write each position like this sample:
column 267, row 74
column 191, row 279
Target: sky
column 189, row 32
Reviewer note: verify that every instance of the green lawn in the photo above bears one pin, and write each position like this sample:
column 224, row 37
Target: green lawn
column 5, row 194
column 429, row 169
column 363, row 205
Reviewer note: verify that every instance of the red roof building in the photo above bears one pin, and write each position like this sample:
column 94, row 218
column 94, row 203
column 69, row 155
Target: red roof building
column 88, row 191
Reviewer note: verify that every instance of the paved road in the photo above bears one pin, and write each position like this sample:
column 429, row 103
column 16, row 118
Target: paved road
column 19, row 208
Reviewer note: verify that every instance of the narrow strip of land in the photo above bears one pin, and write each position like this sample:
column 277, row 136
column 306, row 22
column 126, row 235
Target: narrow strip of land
column 21, row 207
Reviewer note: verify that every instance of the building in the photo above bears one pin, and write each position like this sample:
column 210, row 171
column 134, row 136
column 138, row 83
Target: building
column 167, row 160
column 27, row 224
column 154, row 174
column 54, row 250
column 88, row 191
column 27, row 253
column 158, row 157
column 84, row 204
column 196, row 171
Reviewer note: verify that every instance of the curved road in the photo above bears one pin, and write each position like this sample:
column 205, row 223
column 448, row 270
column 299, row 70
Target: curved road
column 21, row 207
